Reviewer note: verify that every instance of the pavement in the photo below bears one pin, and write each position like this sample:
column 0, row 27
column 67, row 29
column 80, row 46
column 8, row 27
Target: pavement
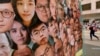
column 91, row 48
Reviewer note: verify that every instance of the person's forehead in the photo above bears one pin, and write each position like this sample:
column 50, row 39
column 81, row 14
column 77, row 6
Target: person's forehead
column 26, row 0
column 53, row 1
column 42, row 1
column 16, row 23
column 6, row 6
column 40, row 26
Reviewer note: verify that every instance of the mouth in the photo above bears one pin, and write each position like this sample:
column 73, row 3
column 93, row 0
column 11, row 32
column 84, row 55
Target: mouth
column 43, row 40
column 1, row 26
column 21, row 39
column 26, row 14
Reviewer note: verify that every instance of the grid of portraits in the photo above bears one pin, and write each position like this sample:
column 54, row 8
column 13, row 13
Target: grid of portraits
column 40, row 28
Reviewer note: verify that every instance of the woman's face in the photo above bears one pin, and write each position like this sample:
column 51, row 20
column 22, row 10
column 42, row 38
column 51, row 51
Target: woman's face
column 18, row 33
column 4, row 45
column 26, row 9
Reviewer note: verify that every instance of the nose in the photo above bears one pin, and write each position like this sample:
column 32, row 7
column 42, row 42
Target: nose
column 41, row 34
column 19, row 33
column 25, row 8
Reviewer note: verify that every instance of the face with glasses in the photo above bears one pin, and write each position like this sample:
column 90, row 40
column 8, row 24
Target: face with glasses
column 42, row 10
column 4, row 45
column 6, row 16
column 26, row 9
column 40, row 34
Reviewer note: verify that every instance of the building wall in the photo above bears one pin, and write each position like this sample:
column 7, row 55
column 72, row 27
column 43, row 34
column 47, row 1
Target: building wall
column 91, row 14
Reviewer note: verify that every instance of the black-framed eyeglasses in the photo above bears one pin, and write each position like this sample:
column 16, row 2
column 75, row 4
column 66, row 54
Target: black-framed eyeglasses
column 7, row 13
column 37, row 32
column 41, row 7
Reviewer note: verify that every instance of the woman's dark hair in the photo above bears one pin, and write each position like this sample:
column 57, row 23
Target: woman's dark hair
column 14, row 4
column 14, row 45
column 5, row 1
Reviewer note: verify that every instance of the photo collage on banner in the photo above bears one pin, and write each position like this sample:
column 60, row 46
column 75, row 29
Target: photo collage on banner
column 40, row 28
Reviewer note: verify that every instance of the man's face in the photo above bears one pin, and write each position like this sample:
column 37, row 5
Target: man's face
column 40, row 34
column 6, row 16
column 42, row 10
column 4, row 45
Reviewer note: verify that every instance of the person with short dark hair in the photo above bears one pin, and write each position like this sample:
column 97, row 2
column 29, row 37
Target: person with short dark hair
column 6, row 15
column 40, row 35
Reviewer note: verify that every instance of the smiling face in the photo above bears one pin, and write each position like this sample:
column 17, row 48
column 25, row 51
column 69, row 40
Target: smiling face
column 26, row 9
column 4, row 45
column 6, row 16
column 18, row 33
column 40, row 34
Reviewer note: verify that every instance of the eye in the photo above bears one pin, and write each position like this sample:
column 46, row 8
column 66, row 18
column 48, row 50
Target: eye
column 39, row 6
column 19, row 3
column 43, row 29
column 2, row 46
column 13, row 31
column 30, row 3
column 6, row 12
column 35, row 33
